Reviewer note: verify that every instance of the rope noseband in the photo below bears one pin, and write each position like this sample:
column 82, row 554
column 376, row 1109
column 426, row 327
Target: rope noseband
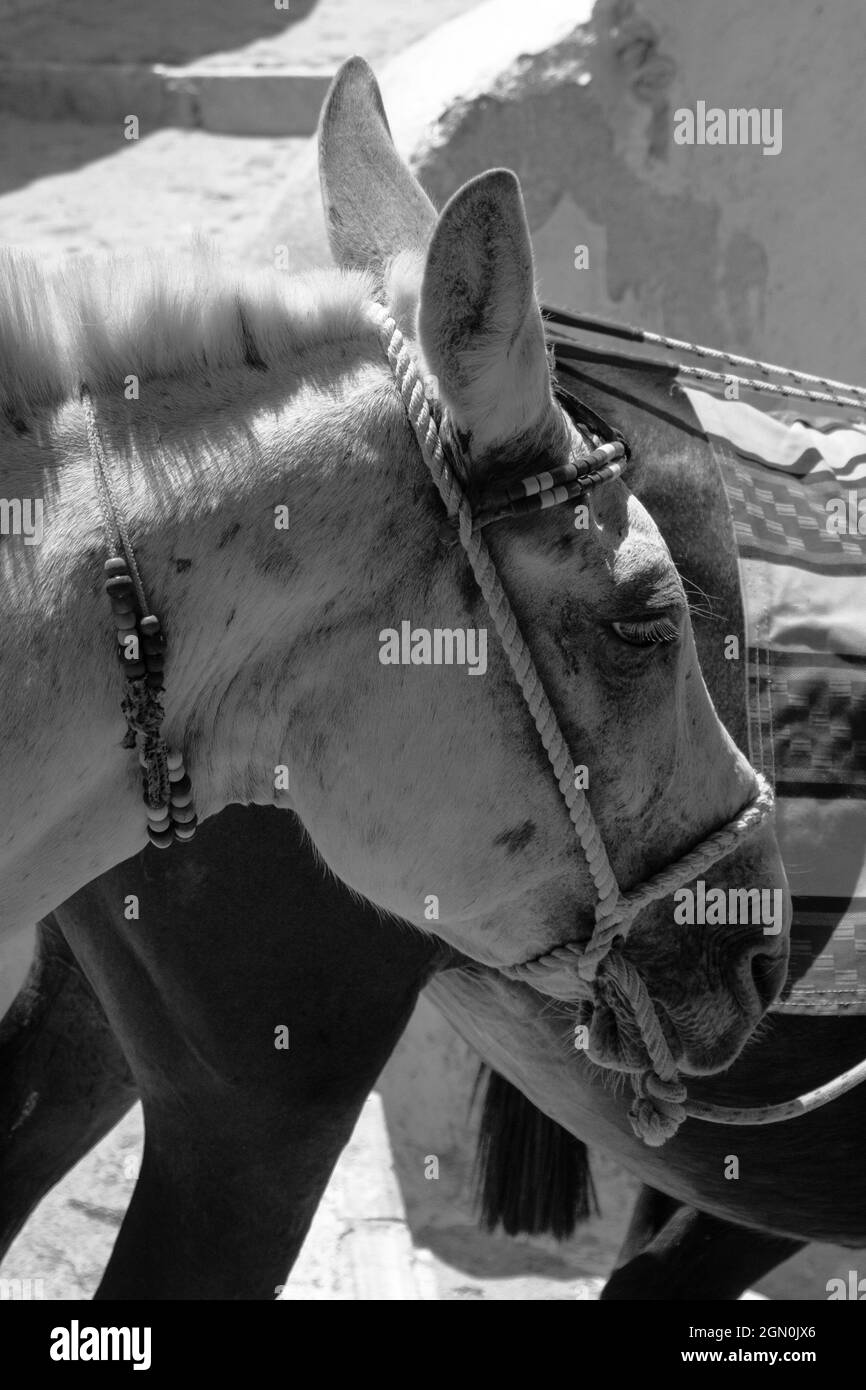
column 658, row 1109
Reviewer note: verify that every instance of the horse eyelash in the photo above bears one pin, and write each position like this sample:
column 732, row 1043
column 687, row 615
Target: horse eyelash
column 646, row 634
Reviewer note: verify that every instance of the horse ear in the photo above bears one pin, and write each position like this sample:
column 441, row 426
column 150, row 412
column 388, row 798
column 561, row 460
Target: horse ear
column 374, row 207
column 479, row 323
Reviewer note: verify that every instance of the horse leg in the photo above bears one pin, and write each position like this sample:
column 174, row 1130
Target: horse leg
column 672, row 1251
column 65, row 1081
column 651, row 1210
column 226, row 1194
column 255, row 1024
column 241, row 1139
column 222, row 1221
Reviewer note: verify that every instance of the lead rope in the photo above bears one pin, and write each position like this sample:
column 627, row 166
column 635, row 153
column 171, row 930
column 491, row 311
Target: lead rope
column 658, row 1109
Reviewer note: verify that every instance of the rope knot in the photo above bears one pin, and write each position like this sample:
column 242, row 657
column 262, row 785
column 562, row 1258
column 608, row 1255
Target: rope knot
column 613, row 917
column 142, row 708
column 595, row 954
column 657, row 1110
column 144, row 714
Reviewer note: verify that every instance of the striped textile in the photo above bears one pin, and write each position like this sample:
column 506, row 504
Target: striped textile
column 804, row 595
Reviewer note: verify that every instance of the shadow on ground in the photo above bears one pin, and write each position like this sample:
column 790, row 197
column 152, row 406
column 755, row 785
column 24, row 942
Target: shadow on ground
column 172, row 32
column 49, row 150
column 125, row 31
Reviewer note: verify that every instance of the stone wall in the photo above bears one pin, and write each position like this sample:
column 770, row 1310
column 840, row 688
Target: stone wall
column 10, row 9
column 721, row 243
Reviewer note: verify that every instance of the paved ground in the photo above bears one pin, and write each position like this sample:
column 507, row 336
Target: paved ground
column 364, row 1237
column 66, row 188
column 304, row 34
column 77, row 188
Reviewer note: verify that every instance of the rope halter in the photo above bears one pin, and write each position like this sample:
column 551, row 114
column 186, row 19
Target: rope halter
column 599, row 966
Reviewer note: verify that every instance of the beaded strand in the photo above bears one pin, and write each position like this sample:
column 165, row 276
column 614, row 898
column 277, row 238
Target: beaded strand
column 141, row 650
column 166, row 787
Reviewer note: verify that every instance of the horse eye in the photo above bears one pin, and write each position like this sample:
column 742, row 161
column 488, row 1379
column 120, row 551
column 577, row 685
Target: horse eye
column 647, row 634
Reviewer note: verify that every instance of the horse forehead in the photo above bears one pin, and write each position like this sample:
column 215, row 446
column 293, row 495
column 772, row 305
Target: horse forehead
column 626, row 556
column 642, row 557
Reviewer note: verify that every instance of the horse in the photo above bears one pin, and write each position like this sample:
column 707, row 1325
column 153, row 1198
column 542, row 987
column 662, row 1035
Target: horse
column 483, row 222
column 262, row 451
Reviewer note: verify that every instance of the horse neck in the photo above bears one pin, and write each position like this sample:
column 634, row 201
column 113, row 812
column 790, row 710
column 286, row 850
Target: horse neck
column 200, row 470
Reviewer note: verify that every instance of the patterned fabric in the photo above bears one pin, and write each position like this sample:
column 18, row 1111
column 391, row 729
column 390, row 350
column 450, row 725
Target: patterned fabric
column 794, row 488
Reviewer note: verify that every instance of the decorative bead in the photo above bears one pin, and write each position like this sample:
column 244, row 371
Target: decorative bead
column 162, row 839
column 164, row 823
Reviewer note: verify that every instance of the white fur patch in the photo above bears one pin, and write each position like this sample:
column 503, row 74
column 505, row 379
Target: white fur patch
column 99, row 319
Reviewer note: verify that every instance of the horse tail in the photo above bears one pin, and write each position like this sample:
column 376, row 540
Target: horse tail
column 531, row 1176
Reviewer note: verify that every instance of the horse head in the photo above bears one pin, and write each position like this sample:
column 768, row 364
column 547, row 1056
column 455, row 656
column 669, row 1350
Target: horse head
column 448, row 814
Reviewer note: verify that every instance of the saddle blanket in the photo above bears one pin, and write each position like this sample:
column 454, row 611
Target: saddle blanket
column 797, row 494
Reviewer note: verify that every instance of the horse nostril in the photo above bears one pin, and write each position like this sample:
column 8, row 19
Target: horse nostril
column 768, row 976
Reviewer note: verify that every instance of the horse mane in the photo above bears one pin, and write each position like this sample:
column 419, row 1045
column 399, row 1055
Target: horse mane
column 159, row 314
column 531, row 1176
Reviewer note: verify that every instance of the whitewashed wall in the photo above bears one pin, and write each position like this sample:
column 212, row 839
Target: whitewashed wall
column 10, row 8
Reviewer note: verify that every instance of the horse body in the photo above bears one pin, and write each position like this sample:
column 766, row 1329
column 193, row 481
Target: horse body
column 780, row 1185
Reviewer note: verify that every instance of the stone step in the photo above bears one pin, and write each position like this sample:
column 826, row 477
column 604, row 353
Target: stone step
column 228, row 100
